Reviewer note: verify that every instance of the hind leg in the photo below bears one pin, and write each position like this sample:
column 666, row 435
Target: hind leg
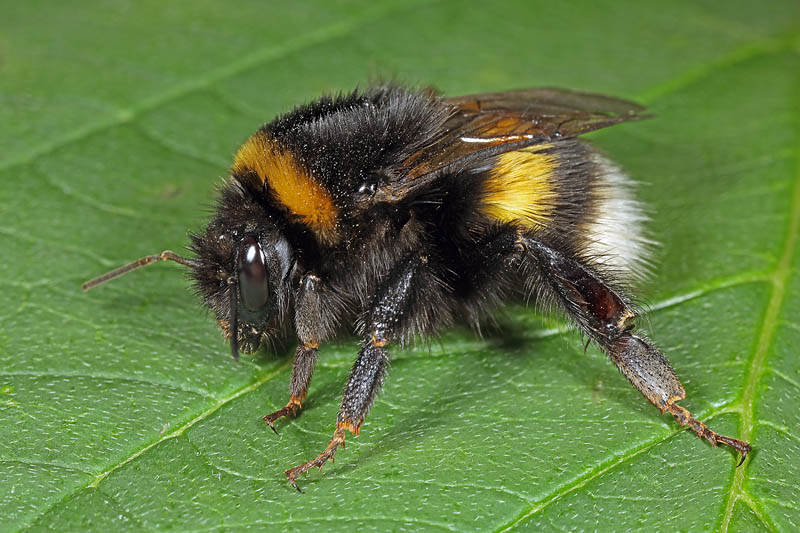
column 605, row 315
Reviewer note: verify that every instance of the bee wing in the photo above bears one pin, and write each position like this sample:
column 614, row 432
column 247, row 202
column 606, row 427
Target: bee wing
column 549, row 103
column 484, row 125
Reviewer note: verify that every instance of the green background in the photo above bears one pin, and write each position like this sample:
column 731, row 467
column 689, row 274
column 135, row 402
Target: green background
column 122, row 409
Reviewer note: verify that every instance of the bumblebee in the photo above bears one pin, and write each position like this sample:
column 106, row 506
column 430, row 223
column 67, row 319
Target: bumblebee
column 395, row 213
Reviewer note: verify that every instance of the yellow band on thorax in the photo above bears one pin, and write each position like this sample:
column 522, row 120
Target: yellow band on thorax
column 289, row 183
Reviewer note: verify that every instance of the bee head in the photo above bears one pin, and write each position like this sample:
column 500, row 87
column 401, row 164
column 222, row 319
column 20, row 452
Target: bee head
column 241, row 269
column 242, row 274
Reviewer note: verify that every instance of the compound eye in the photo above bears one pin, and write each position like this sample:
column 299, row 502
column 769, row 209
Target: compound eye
column 252, row 272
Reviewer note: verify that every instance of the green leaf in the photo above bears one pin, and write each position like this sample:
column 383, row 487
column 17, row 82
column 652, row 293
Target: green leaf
column 121, row 409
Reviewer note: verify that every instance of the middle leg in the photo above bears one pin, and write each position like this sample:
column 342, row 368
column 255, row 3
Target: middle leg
column 386, row 319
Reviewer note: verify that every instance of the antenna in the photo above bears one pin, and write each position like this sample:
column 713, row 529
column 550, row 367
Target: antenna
column 166, row 255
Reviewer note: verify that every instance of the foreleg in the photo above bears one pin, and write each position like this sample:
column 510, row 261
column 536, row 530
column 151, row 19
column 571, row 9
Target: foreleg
column 313, row 324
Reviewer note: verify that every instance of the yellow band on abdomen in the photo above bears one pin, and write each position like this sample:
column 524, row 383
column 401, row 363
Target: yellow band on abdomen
column 520, row 187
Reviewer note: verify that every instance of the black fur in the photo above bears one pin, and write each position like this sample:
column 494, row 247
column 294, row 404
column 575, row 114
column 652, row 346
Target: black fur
column 408, row 265
column 350, row 141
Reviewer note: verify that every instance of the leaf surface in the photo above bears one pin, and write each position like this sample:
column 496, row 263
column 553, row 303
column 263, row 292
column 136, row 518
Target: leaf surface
column 121, row 409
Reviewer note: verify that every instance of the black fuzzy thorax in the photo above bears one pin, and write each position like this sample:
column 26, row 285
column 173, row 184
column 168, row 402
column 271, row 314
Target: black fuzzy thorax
column 352, row 144
column 357, row 141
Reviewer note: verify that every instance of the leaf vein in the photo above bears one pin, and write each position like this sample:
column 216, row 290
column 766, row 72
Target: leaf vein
column 769, row 326
column 261, row 56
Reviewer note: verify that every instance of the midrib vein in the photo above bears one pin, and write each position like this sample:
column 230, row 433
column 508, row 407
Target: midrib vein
column 779, row 282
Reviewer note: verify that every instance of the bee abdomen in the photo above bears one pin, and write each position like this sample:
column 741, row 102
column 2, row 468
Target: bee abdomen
column 569, row 191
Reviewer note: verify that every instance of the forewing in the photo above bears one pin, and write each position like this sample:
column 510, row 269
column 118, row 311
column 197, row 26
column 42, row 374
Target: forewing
column 482, row 125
